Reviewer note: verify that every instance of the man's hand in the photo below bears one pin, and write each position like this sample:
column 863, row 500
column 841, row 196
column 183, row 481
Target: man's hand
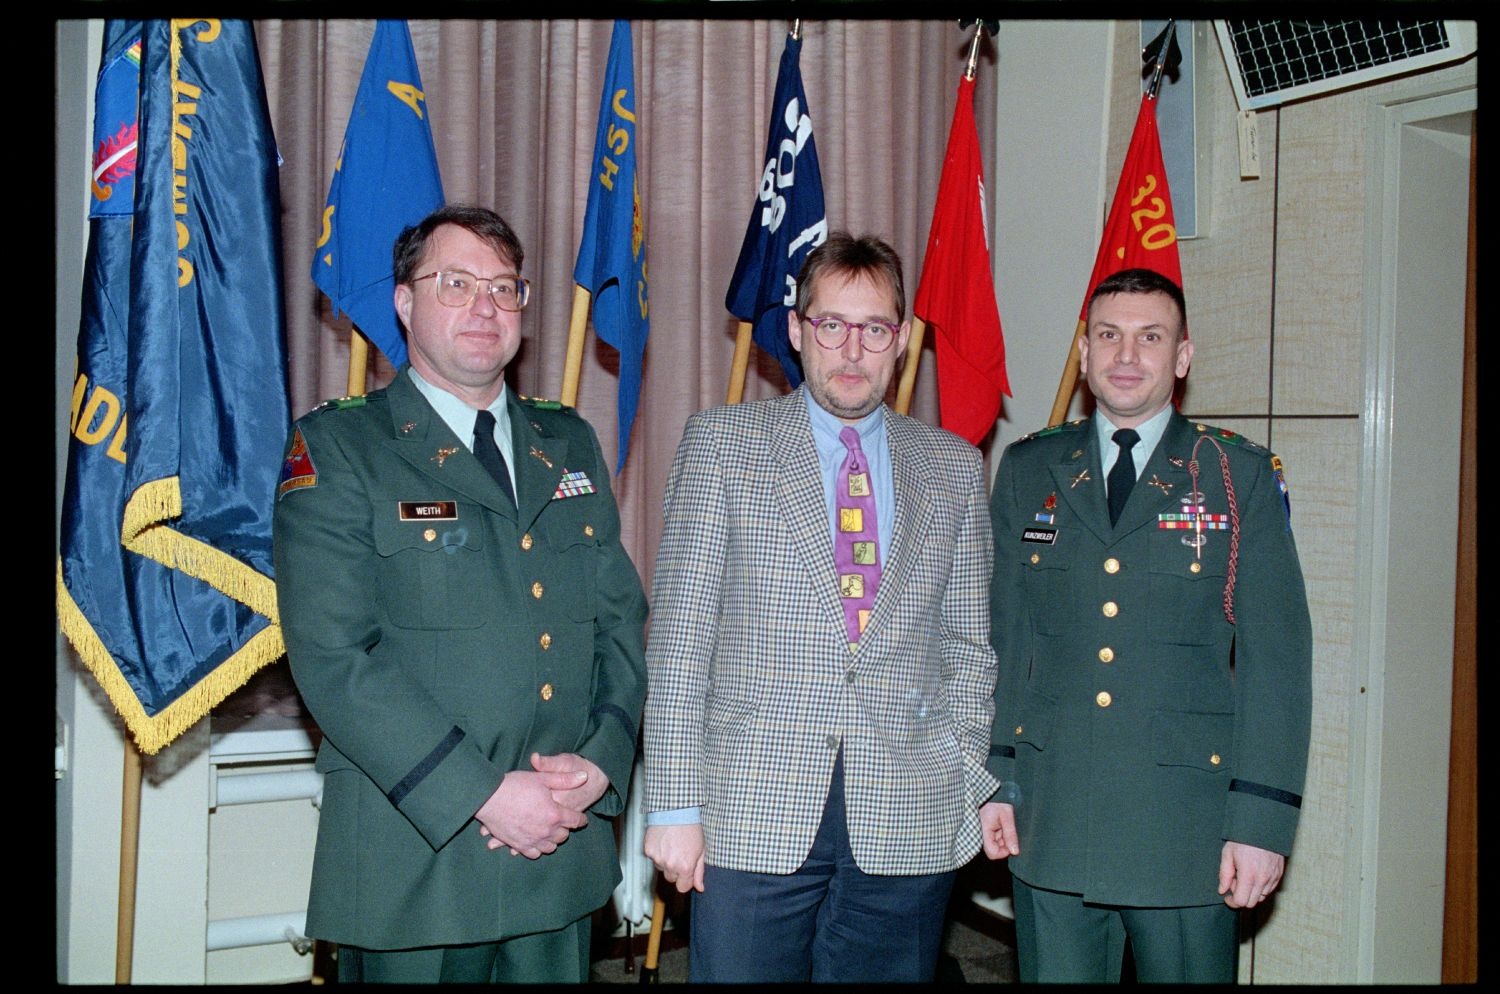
column 997, row 824
column 1248, row 875
column 677, row 851
column 523, row 814
column 583, row 796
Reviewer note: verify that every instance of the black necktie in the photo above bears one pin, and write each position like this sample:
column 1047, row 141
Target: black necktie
column 489, row 455
column 1122, row 475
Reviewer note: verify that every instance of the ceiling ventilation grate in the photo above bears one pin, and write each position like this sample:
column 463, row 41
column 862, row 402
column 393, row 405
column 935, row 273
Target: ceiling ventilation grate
column 1273, row 62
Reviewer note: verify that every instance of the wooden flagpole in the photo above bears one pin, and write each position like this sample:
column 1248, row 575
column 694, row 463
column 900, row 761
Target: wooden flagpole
column 130, row 835
column 1069, row 381
column 918, row 326
column 578, row 325
column 741, row 367
column 359, row 363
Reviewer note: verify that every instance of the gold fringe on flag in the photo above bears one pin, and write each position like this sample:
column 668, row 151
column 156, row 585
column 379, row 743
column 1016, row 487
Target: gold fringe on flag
column 142, row 531
column 153, row 733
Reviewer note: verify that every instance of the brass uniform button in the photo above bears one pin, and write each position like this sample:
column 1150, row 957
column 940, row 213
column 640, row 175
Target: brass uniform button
column 1106, row 655
column 1195, row 567
column 1215, row 760
column 588, row 530
column 1111, row 565
column 526, row 542
column 1019, row 729
column 1103, row 699
column 546, row 641
column 1110, row 609
column 546, row 691
column 1035, row 559
column 536, row 589
column 430, row 534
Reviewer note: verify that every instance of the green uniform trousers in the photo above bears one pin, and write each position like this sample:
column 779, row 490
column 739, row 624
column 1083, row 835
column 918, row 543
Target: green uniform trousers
column 1060, row 938
column 557, row 957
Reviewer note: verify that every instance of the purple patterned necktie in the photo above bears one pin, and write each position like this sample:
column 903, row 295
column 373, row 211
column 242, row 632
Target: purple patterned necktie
column 856, row 551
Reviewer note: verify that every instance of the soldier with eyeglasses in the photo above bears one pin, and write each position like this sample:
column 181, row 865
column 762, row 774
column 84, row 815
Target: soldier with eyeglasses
column 820, row 668
column 466, row 629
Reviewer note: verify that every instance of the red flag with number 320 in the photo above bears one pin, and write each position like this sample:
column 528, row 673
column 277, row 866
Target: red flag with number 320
column 1141, row 232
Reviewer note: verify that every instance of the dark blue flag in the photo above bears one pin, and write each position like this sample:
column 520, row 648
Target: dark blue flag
column 787, row 220
column 612, row 253
column 179, row 405
column 386, row 180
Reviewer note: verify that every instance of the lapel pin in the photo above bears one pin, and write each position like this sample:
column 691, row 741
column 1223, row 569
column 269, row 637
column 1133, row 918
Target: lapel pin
column 1081, row 477
column 406, row 429
column 442, row 456
column 539, row 454
column 1175, row 461
column 1076, row 453
column 1158, row 483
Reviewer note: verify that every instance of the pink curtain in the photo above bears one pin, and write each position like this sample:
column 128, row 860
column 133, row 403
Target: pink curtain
column 513, row 108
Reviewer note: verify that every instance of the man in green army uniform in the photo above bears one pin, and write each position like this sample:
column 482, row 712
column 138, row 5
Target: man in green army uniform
column 466, row 629
column 1153, row 709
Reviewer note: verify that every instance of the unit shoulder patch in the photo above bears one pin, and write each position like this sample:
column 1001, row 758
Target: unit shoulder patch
column 298, row 471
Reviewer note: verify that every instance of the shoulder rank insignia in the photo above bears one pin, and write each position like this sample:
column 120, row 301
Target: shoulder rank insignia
column 298, row 470
column 545, row 405
column 1232, row 437
column 342, row 403
column 573, row 484
column 1051, row 430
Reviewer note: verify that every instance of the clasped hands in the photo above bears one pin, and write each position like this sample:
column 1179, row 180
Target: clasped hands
column 533, row 811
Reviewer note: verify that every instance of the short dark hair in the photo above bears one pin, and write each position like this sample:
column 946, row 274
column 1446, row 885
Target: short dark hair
column 482, row 222
column 852, row 257
column 1141, row 281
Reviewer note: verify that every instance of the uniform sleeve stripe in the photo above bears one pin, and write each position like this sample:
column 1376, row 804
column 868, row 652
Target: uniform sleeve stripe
column 1269, row 793
column 619, row 713
column 427, row 765
column 1003, row 751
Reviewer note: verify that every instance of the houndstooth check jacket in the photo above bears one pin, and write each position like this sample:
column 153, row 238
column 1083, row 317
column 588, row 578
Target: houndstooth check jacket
column 753, row 687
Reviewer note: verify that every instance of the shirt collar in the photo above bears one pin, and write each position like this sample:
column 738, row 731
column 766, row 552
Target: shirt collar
column 826, row 427
column 1151, row 430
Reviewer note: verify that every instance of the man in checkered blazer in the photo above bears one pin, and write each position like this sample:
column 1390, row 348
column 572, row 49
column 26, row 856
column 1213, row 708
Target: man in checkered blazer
column 815, row 768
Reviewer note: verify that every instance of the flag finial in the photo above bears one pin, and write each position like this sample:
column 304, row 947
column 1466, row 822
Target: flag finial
column 981, row 28
column 1162, row 55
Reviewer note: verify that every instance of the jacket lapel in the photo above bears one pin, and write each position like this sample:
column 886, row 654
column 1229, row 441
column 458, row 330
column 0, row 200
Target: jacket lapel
column 911, row 478
column 1164, row 481
column 1079, row 479
column 540, row 463
column 799, row 493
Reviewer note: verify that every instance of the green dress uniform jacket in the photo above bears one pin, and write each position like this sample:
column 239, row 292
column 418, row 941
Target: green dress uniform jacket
column 1136, row 727
column 439, row 635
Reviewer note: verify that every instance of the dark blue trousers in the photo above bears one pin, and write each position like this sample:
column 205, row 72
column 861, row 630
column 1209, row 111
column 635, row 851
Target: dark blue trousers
column 828, row 922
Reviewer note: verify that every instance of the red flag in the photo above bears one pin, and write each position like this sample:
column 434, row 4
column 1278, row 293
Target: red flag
column 957, row 292
column 1141, row 232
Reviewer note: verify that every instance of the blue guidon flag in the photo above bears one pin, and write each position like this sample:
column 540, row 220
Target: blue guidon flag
column 179, row 403
column 612, row 252
column 787, row 220
column 386, row 179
